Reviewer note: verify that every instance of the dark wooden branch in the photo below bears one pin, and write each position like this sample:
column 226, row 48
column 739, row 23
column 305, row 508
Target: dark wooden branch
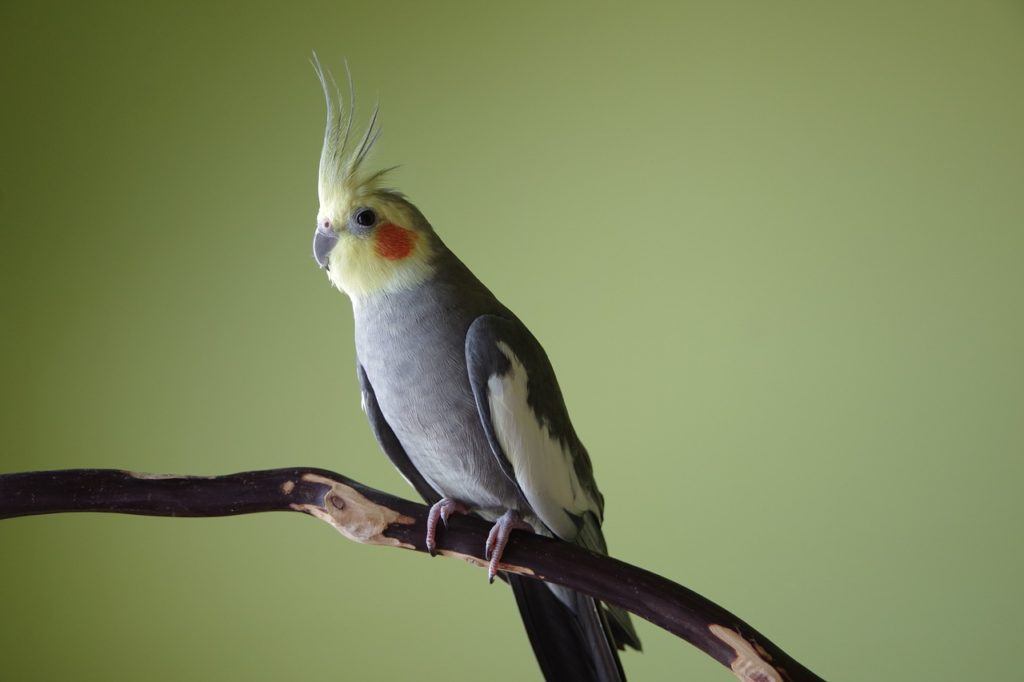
column 374, row 517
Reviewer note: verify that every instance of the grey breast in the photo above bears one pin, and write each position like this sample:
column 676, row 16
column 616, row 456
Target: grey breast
column 412, row 346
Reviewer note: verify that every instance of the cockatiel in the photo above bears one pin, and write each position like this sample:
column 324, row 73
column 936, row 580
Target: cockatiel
column 461, row 396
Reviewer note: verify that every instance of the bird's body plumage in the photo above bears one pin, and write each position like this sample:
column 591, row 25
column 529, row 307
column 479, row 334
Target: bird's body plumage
column 411, row 344
column 462, row 397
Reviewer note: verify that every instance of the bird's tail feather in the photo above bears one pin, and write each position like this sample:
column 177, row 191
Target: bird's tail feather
column 591, row 537
column 571, row 636
column 623, row 632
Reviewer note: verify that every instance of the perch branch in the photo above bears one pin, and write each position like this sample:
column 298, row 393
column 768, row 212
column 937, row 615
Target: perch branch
column 373, row 517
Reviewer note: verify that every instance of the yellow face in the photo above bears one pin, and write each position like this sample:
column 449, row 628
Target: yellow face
column 371, row 242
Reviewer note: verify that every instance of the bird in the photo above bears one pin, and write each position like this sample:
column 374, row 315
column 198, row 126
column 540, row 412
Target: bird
column 460, row 395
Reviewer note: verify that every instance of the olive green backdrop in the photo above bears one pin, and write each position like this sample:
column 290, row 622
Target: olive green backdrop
column 773, row 249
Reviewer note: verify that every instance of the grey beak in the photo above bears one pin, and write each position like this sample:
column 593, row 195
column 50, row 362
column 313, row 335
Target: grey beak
column 323, row 242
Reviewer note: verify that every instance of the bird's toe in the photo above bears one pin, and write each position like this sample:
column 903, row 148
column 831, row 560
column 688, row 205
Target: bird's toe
column 498, row 538
column 441, row 510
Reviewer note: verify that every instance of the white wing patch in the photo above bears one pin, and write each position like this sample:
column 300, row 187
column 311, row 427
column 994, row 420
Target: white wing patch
column 543, row 468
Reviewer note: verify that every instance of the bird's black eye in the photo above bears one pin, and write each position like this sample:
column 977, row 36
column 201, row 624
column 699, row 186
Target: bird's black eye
column 365, row 217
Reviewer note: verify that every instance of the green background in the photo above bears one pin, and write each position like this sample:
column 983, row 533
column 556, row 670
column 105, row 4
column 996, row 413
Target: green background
column 774, row 250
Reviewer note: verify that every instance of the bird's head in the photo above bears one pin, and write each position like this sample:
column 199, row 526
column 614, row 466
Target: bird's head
column 369, row 239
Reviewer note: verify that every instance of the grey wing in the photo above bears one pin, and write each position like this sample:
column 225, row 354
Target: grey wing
column 523, row 413
column 527, row 424
column 389, row 441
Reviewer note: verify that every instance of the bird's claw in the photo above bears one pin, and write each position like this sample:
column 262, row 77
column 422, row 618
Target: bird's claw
column 442, row 510
column 498, row 538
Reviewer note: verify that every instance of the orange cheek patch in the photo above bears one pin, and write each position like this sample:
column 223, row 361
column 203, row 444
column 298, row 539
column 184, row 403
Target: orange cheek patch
column 394, row 242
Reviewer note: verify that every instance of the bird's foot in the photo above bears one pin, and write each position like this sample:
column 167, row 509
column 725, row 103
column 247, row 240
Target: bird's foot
column 441, row 510
column 498, row 538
